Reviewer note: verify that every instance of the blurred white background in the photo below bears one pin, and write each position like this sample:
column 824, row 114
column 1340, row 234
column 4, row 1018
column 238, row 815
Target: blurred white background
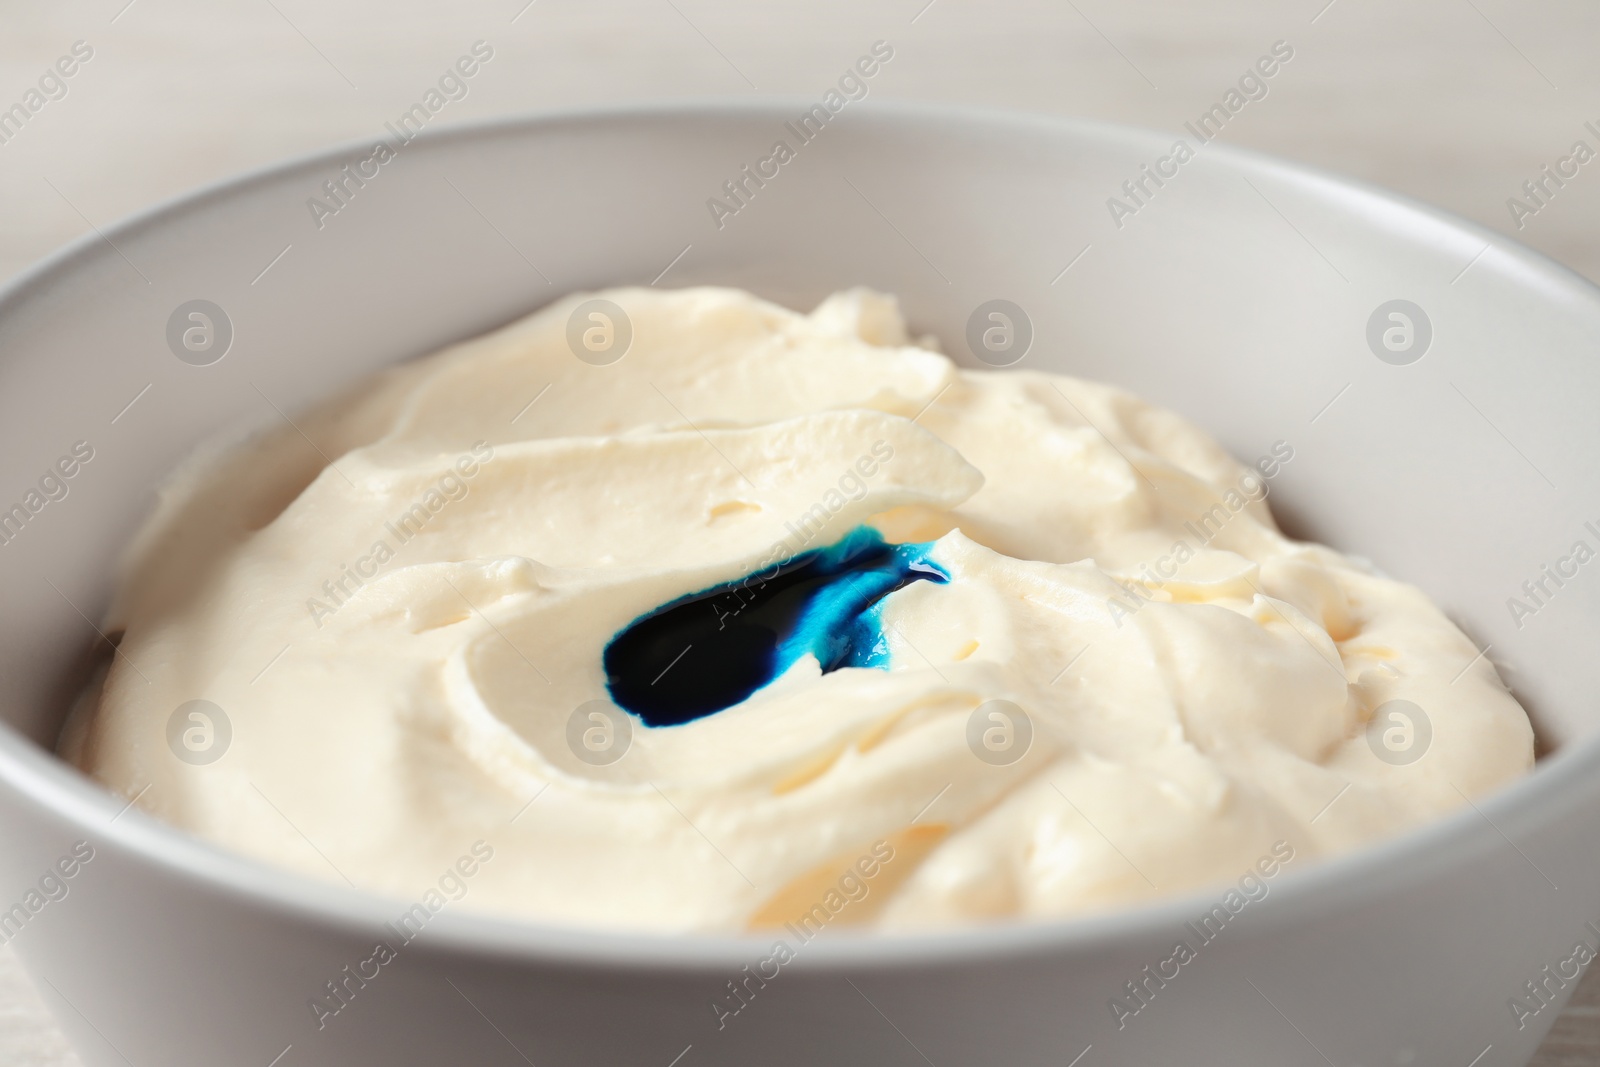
column 1456, row 102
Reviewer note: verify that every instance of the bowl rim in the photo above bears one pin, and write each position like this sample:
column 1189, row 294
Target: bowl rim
column 1551, row 790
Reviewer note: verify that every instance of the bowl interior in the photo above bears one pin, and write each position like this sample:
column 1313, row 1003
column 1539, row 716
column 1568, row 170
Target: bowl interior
column 1237, row 290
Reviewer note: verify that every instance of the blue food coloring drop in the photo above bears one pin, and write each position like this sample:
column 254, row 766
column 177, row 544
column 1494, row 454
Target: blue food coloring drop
column 710, row 650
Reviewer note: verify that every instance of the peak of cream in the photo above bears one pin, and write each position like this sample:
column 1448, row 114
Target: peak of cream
column 408, row 641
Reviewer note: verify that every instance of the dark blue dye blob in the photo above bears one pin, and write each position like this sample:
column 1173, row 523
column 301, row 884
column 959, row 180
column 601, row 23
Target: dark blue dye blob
column 712, row 649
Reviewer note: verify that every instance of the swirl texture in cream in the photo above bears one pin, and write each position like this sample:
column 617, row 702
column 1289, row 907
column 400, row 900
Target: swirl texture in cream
column 1128, row 684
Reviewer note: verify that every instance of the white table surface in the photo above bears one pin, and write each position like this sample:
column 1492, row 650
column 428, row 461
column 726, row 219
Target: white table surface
column 1456, row 102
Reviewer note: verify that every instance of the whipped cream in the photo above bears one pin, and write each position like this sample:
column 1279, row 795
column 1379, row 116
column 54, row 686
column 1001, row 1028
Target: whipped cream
column 1123, row 682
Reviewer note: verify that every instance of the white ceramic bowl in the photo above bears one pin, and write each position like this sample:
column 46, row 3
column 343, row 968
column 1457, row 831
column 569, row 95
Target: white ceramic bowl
column 1239, row 293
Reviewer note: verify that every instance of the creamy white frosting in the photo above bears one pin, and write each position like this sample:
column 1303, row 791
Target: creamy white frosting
column 399, row 637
